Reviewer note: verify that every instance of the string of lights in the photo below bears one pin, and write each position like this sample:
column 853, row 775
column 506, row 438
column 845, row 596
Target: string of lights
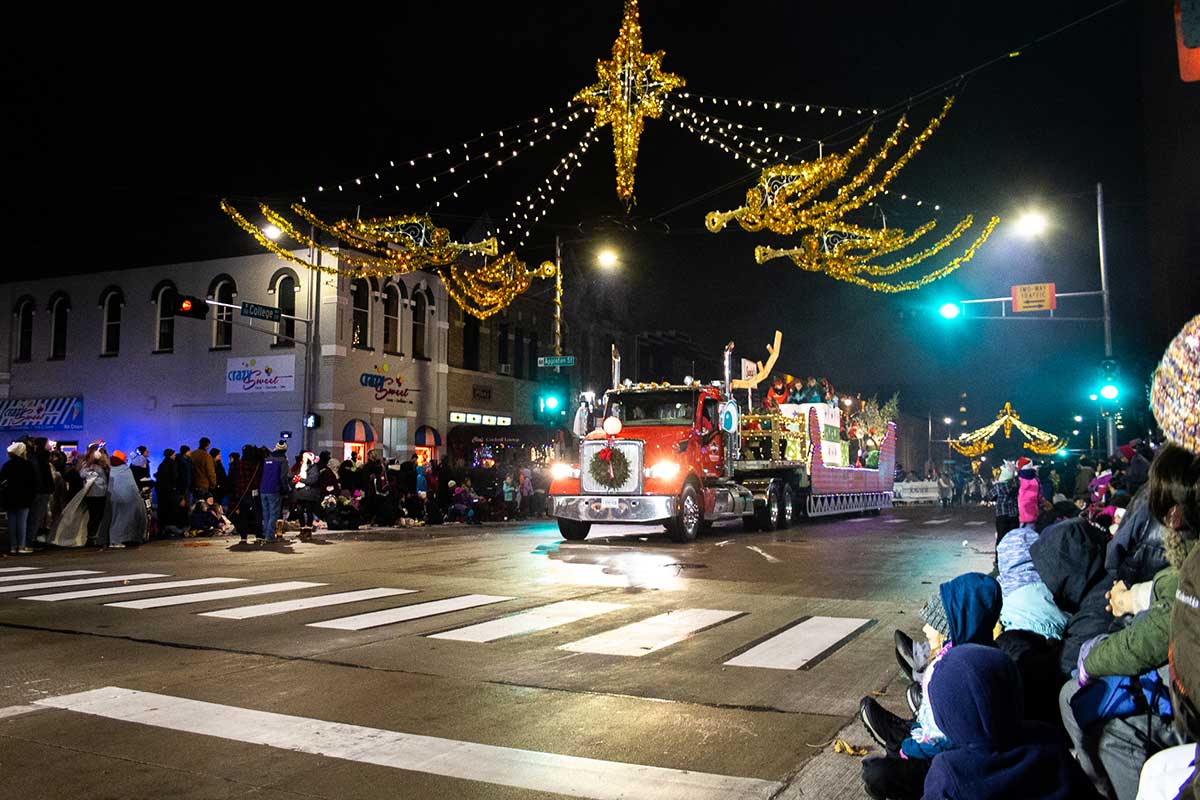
column 510, row 152
column 708, row 128
column 530, row 209
column 786, row 106
column 485, row 146
column 707, row 137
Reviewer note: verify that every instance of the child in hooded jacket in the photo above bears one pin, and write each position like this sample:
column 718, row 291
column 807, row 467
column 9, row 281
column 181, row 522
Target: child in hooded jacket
column 1029, row 492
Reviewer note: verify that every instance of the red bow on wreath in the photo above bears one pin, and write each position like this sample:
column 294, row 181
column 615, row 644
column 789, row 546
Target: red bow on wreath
column 605, row 454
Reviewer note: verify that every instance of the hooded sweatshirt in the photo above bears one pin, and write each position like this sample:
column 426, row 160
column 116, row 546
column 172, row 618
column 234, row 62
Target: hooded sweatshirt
column 976, row 696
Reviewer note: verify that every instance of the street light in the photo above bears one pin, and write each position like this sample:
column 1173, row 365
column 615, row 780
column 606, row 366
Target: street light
column 1093, row 397
column 948, row 421
column 607, row 258
column 1075, row 432
column 950, row 310
column 272, row 232
column 1078, row 418
column 1031, row 224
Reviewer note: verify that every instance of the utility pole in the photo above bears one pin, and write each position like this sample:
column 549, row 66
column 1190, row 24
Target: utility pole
column 1110, row 423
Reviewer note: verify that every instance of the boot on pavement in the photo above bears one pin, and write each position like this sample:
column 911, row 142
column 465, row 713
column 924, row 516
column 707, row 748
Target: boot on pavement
column 887, row 729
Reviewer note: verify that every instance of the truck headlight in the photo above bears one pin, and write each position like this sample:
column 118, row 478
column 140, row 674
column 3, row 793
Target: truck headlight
column 663, row 470
column 561, row 470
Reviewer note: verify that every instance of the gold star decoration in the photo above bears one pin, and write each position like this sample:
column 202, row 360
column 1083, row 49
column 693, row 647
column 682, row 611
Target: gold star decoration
column 632, row 86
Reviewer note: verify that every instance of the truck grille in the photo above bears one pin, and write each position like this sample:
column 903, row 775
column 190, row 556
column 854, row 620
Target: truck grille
column 631, row 450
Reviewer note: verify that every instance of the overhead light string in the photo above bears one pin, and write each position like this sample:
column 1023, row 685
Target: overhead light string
column 533, row 207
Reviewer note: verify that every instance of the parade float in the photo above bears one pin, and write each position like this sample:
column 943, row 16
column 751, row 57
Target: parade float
column 685, row 456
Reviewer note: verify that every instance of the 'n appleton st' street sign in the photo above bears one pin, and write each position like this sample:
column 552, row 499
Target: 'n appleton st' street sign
column 1034, row 297
column 256, row 311
column 556, row 361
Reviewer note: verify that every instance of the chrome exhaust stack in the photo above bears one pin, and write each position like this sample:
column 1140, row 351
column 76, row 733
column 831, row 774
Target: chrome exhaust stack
column 728, row 369
column 616, row 367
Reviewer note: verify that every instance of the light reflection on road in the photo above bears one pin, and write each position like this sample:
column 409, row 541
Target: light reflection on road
column 626, row 570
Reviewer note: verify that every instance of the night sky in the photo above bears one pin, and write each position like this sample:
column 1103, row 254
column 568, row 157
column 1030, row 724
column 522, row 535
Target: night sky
column 123, row 134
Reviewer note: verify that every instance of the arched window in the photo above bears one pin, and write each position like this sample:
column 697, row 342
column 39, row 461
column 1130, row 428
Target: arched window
column 392, row 304
column 23, row 333
column 111, row 302
column 360, row 324
column 284, row 289
column 420, row 324
column 164, row 317
column 222, row 291
column 60, row 308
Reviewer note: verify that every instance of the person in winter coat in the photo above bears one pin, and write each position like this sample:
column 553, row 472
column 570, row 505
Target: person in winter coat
column 221, row 488
column 244, row 501
column 272, row 486
column 964, row 610
column 1112, row 750
column 1029, row 492
column 20, row 486
column 308, row 492
column 94, row 474
column 38, row 454
column 1083, row 480
column 1004, row 495
column 204, row 474
column 997, row 754
column 171, row 503
column 1136, row 552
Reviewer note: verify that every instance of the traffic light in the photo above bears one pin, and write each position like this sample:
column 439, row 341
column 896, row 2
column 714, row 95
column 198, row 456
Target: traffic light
column 551, row 403
column 950, row 310
column 185, row 305
column 1110, row 388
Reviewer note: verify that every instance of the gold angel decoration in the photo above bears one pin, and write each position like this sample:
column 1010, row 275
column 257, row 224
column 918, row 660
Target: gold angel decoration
column 787, row 201
column 977, row 442
column 377, row 247
column 491, row 288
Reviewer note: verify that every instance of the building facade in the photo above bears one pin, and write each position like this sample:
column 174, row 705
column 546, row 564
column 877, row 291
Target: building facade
column 370, row 363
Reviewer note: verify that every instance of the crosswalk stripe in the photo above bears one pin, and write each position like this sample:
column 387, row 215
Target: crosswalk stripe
column 935, row 522
column 19, row 569
column 33, row 587
column 390, row 616
column 529, row 770
column 651, row 634
column 141, row 587
column 976, row 522
column 895, row 521
column 320, row 601
column 799, row 644
column 536, row 619
column 219, row 594
column 67, row 574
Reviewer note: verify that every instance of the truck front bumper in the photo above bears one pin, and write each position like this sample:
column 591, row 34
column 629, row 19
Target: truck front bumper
column 595, row 508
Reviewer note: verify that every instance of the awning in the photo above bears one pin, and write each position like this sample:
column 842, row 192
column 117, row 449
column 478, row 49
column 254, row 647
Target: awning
column 358, row 430
column 427, row 436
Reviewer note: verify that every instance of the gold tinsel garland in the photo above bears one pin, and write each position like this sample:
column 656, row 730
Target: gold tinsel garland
column 630, row 88
column 1040, row 442
column 491, row 288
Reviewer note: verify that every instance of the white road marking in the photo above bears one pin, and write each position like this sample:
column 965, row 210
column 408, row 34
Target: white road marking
column 767, row 556
column 33, row 587
column 19, row 569
column 650, row 634
column 68, row 574
column 17, row 711
column 219, row 594
column 936, row 522
column 536, row 619
column 284, row 606
column 722, row 544
column 141, row 587
column 504, row 766
column 859, row 519
column 976, row 522
column 799, row 644
column 895, row 521
column 390, row 616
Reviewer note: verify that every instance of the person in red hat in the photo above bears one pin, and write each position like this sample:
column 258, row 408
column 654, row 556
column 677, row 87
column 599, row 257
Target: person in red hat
column 1029, row 492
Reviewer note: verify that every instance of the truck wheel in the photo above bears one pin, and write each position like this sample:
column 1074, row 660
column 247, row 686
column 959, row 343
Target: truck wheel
column 686, row 526
column 767, row 514
column 573, row 529
column 787, row 507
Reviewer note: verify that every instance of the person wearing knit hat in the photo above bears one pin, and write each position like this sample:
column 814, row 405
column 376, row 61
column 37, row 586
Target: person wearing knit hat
column 1175, row 392
column 20, row 484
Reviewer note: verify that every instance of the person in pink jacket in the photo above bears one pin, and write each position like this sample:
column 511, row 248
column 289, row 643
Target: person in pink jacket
column 1029, row 492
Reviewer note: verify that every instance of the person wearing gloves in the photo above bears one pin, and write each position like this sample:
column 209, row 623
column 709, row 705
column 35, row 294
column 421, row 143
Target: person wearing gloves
column 976, row 696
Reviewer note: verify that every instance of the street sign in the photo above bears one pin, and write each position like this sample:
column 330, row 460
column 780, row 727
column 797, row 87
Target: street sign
column 556, row 361
column 256, row 311
column 1034, row 297
column 729, row 417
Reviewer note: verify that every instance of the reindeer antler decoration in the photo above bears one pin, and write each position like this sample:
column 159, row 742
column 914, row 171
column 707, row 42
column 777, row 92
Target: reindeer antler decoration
column 763, row 371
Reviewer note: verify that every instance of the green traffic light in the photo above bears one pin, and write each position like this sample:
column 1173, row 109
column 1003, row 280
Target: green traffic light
column 552, row 402
column 950, row 310
column 1109, row 391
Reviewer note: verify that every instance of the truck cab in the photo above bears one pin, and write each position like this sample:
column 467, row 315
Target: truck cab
column 674, row 464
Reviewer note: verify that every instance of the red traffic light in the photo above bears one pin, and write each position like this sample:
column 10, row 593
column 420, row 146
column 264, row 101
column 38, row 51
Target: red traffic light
column 186, row 305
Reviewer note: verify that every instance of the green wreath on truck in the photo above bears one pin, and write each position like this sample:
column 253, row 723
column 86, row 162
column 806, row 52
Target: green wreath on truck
column 610, row 468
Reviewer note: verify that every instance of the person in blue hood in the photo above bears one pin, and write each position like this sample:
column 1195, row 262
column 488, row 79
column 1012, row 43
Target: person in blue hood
column 976, row 696
column 963, row 611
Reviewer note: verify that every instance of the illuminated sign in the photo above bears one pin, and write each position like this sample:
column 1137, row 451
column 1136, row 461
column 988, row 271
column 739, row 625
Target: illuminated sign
column 1034, row 297
column 42, row 414
column 260, row 374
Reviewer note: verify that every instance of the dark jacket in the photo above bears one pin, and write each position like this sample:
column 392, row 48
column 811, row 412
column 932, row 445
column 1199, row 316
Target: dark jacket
column 166, row 479
column 183, row 472
column 274, row 476
column 976, row 699
column 1136, row 552
column 43, row 477
column 17, row 477
column 311, row 490
column 1069, row 557
column 972, row 602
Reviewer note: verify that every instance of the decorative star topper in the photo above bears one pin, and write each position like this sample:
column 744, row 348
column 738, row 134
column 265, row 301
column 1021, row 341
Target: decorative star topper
column 632, row 86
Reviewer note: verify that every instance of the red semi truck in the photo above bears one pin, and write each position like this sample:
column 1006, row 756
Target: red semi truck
column 681, row 455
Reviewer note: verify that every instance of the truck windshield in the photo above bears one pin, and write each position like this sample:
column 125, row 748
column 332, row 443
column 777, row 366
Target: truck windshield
column 653, row 408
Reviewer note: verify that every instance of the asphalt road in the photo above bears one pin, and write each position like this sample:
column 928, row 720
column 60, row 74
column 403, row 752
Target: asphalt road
column 621, row 666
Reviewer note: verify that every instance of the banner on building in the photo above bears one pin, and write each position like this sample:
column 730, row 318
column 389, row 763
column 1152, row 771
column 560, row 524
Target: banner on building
column 258, row 374
column 42, row 414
